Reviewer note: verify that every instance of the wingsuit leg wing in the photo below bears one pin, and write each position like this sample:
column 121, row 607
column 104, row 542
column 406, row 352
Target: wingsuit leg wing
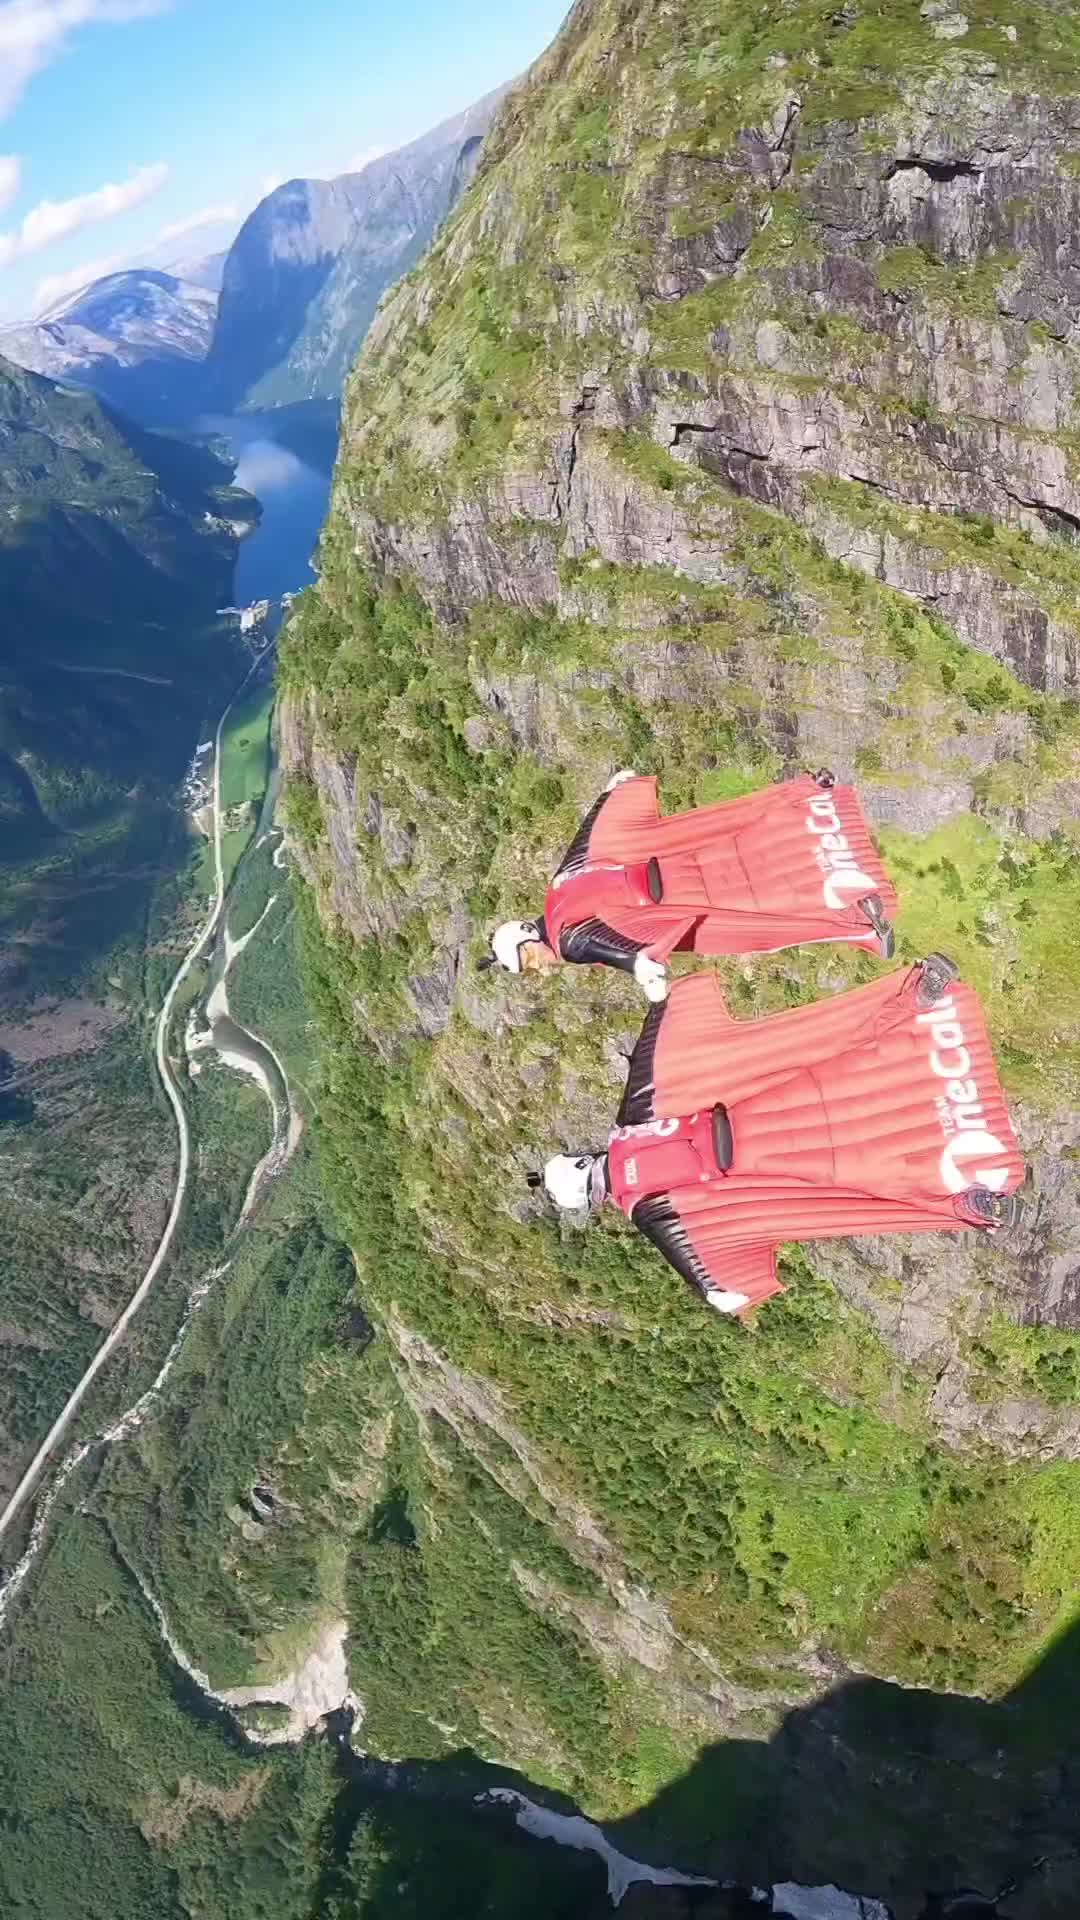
column 878, row 1111
column 691, row 1051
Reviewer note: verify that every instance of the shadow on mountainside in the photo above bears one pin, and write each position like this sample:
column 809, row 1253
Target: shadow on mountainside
column 895, row 1792
column 904, row 1796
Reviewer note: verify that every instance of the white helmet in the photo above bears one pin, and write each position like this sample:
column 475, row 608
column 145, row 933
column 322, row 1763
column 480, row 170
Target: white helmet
column 508, row 940
column 567, row 1178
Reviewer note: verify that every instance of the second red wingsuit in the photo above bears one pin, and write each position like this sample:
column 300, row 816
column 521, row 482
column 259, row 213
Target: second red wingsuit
column 878, row 1111
column 788, row 865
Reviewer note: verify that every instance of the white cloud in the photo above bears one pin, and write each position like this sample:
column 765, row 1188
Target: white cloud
column 264, row 467
column 58, row 286
column 364, row 159
column 34, row 32
column 224, row 214
column 10, row 176
column 270, row 183
column 53, row 220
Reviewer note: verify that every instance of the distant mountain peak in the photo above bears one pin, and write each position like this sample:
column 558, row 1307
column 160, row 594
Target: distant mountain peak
column 137, row 338
column 204, row 270
column 310, row 264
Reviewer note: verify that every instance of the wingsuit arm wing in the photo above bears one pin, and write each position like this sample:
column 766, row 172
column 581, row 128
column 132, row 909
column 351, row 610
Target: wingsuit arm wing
column 691, row 1024
column 608, row 829
column 609, row 832
column 626, row 829
column 579, row 849
column 702, row 1257
column 637, row 1106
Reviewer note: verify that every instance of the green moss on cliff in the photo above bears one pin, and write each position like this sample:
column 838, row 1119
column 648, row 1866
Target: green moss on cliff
column 1007, row 908
column 968, row 291
column 1049, row 571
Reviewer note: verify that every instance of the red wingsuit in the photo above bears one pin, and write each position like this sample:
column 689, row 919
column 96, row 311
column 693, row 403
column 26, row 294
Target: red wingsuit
column 860, row 1114
column 778, row 868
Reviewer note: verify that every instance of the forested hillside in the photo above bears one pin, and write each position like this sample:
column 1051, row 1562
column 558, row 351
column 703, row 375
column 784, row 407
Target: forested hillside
column 116, row 550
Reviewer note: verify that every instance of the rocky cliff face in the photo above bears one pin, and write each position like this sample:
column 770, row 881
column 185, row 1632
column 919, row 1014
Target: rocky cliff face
column 275, row 267
column 729, row 428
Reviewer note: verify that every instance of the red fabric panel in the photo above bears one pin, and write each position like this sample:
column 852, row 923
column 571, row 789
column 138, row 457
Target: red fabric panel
column 747, row 1210
column 703, row 1055
column 863, row 1091
column 749, row 1270
column 777, row 868
column 627, row 826
column 723, row 1224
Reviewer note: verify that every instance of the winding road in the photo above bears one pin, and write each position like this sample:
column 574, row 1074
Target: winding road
column 116, row 1334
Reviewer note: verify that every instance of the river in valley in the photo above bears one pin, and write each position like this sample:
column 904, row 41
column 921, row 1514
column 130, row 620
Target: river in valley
column 285, row 458
column 234, row 1043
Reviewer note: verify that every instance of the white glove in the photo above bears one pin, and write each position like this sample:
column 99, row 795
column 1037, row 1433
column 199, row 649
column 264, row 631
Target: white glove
column 626, row 773
column 726, row 1302
column 651, row 976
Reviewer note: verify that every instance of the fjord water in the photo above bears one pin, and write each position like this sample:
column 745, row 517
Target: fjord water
column 293, row 492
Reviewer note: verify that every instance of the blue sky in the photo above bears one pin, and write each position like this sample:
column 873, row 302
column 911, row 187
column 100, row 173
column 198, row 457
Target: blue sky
column 123, row 120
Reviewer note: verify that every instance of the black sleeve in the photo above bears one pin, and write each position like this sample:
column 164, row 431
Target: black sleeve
column 657, row 1219
column 577, row 852
column 596, row 943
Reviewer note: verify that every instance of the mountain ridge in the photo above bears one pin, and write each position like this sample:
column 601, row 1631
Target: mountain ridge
column 138, row 338
column 278, row 318
column 307, row 269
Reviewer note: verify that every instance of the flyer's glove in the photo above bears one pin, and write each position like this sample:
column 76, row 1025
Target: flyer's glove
column 651, row 976
column 726, row 1302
